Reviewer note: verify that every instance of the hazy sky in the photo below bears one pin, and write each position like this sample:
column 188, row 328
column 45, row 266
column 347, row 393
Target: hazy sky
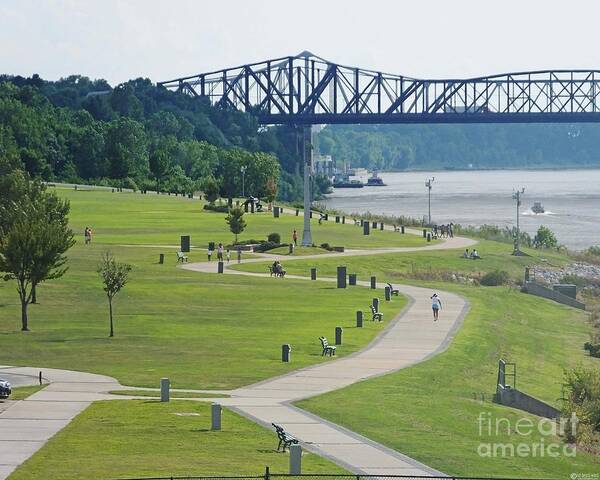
column 119, row 40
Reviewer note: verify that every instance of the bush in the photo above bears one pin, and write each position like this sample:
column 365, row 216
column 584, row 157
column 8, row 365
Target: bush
column 326, row 246
column 274, row 238
column 264, row 246
column 593, row 348
column 216, row 208
column 129, row 182
column 545, row 238
column 495, row 278
column 248, row 242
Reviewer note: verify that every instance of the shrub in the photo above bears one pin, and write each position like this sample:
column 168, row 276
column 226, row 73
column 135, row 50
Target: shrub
column 216, row 208
column 593, row 348
column 274, row 238
column 264, row 246
column 252, row 241
column 545, row 238
column 495, row 278
column 326, row 246
column 129, row 182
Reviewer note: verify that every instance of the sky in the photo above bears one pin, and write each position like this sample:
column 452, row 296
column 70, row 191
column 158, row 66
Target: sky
column 122, row 39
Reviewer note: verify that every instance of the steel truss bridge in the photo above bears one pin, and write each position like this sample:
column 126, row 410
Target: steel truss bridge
column 306, row 89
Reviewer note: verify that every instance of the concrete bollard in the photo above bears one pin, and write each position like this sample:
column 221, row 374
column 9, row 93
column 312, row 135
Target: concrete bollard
column 373, row 283
column 381, row 226
column 113, row 190
column 295, row 460
column 376, row 304
column 343, row 219
column 275, row 212
column 339, row 331
column 362, row 222
column 297, row 211
column 424, row 233
column 374, row 225
column 359, row 319
column 161, row 258
column 402, row 229
column 352, row 279
column 215, row 416
column 337, row 219
column 286, row 352
column 341, row 277
column 164, row 389
column 366, row 228
column 428, row 237
column 220, row 267
column 388, row 294
column 313, row 273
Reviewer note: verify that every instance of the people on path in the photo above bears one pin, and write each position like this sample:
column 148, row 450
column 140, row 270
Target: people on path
column 239, row 254
column 228, row 255
column 295, row 237
column 220, row 252
column 209, row 252
column 87, row 235
column 436, row 306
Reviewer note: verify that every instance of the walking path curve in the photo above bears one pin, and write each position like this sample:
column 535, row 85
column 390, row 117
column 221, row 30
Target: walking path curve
column 410, row 338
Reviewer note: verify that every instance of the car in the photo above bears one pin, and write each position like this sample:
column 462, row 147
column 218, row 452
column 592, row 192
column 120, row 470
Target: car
column 5, row 389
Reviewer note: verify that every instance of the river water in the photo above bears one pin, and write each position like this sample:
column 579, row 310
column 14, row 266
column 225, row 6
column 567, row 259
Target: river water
column 571, row 199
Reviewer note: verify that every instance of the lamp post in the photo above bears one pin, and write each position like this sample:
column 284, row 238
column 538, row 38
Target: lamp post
column 517, row 197
column 428, row 183
column 243, row 170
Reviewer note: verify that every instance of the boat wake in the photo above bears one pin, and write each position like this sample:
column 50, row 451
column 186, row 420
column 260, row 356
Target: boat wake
column 533, row 214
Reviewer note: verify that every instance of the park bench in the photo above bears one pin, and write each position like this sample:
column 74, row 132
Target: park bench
column 376, row 315
column 277, row 274
column 356, row 222
column 327, row 349
column 396, row 228
column 393, row 291
column 285, row 439
column 181, row 257
column 321, row 218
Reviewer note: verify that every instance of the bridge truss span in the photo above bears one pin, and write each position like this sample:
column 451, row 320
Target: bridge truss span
column 306, row 89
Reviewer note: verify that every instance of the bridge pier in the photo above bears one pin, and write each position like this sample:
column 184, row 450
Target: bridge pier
column 308, row 165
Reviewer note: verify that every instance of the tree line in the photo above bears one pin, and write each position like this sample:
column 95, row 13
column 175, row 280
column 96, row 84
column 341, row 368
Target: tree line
column 406, row 147
column 141, row 136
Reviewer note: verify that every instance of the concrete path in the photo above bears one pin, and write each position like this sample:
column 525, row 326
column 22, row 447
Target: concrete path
column 27, row 425
column 410, row 338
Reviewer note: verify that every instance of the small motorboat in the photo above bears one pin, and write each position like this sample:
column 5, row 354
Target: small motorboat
column 538, row 208
column 343, row 181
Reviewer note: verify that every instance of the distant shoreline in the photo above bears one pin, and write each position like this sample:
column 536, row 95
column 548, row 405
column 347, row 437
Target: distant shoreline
column 486, row 169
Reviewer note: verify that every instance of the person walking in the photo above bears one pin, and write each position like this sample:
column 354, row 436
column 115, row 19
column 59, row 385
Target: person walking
column 209, row 252
column 86, row 235
column 228, row 255
column 295, row 237
column 220, row 252
column 239, row 254
column 436, row 306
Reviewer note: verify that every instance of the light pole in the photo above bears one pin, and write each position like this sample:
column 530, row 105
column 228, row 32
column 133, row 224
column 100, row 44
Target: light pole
column 428, row 185
column 307, row 157
column 517, row 197
column 243, row 170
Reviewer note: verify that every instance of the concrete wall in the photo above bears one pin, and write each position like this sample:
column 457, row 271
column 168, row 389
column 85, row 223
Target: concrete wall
column 511, row 397
column 541, row 291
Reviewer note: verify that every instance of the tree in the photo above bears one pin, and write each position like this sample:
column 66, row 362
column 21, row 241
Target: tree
column 34, row 236
column 126, row 148
column 114, row 276
column 211, row 189
column 235, row 220
column 545, row 238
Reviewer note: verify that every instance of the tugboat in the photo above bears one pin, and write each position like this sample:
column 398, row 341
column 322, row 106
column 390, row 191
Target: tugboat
column 537, row 207
column 343, row 181
column 375, row 181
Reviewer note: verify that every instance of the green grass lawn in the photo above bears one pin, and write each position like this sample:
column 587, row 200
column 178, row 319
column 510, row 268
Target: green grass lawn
column 426, row 264
column 200, row 330
column 429, row 412
column 21, row 393
column 132, row 218
column 136, row 438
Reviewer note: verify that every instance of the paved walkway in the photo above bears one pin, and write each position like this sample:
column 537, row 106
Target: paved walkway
column 409, row 338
